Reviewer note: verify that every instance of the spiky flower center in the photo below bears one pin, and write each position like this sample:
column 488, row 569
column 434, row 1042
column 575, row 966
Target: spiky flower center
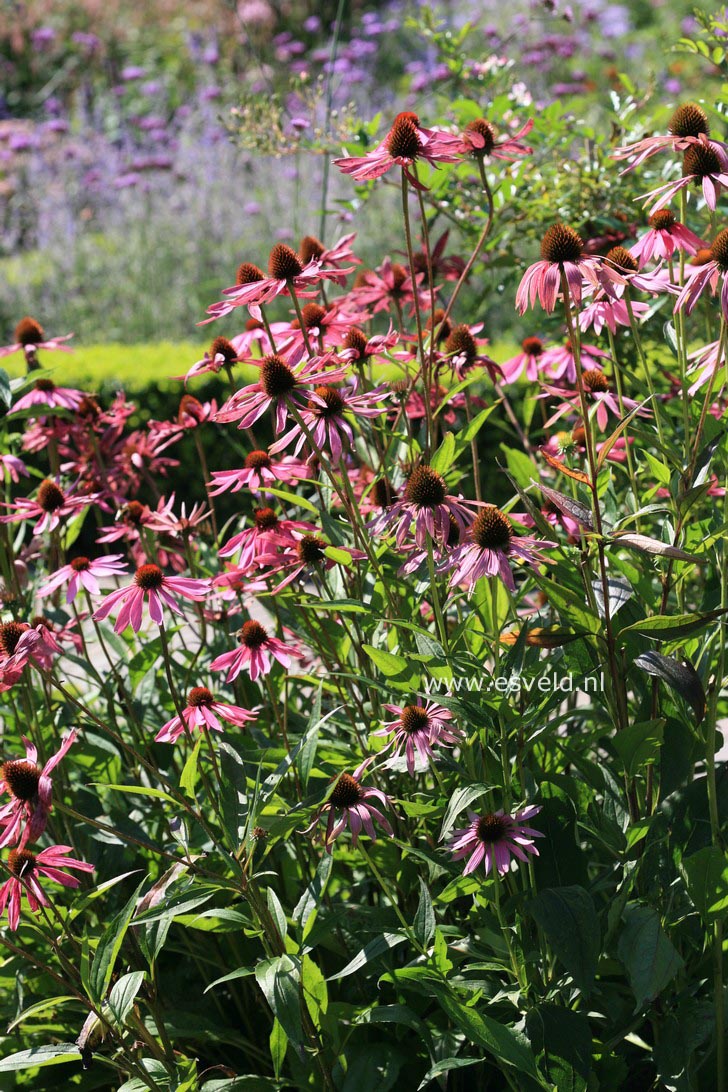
column 719, row 250
column 265, row 519
column 335, row 404
column 453, row 534
column 80, row 564
column 29, row 332
column 491, row 828
column 276, row 378
column 443, row 329
column 149, row 577
column 22, row 778
column 425, row 488
column 248, row 274
column 403, row 141
column 399, row 276
column 224, row 348
column 532, row 346
column 252, row 635
column 21, row 862
column 133, row 512
column 383, row 493
column 561, row 244
column 88, row 407
column 622, row 258
column 347, row 792
column 462, row 343
column 310, row 249
column 689, row 120
column 484, row 129
column 701, row 256
column 189, row 406
column 258, row 460
column 313, row 315
column 283, row 263
column 356, row 339
column 594, row 380
column 701, row 160
column 200, row 696
column 491, row 529
column 10, row 634
column 311, row 549
column 662, row 220
column 50, row 496
column 414, row 718
column 47, row 386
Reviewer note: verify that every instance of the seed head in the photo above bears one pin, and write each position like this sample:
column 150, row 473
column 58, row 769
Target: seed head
column 252, row 635
column 399, row 276
column 29, row 332
column 719, row 250
column 621, row 257
column 276, row 378
column 132, row 512
column 356, row 339
column 383, row 493
column 701, row 160
column 189, row 406
column 80, row 564
column 249, row 274
column 224, row 348
column 310, row 249
column 561, row 244
column 491, row 828
column 313, row 315
column 200, row 696
column 425, row 488
column 689, row 120
column 661, row 220
column 435, row 322
column 413, row 718
column 10, row 634
column 335, row 404
column 149, row 577
column 533, row 346
column 491, row 529
column 22, row 778
column 595, row 381
column 403, row 141
column 311, row 549
column 47, row 386
column 346, row 792
column 462, row 343
column 283, row 263
column 50, row 496
column 265, row 519
column 21, row 862
column 486, row 130
column 257, row 460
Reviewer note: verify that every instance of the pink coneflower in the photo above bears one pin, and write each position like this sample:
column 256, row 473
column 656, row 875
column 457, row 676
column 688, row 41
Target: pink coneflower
column 405, row 143
column 489, row 547
column 598, row 394
column 259, row 471
column 29, row 337
column 31, row 789
column 14, row 467
column 390, row 286
column 463, row 353
column 49, row 507
column 656, row 282
column 338, row 255
column 605, row 311
column 419, row 728
column 44, row 393
column 709, row 274
column 688, row 127
column 705, row 362
column 152, row 585
column 21, row 643
column 529, row 360
column 25, row 868
column 305, row 555
column 495, row 839
column 286, row 274
column 428, row 505
column 479, row 139
column 562, row 252
column 224, row 352
column 254, row 653
column 164, row 521
column 704, row 165
column 349, row 804
column 278, row 386
column 358, row 347
column 560, row 362
column 202, row 712
column 324, row 418
column 267, row 534
column 665, row 236
column 83, row 572
column 323, row 327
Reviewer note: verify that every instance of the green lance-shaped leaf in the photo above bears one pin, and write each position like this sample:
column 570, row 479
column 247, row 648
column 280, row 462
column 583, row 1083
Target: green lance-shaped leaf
column 681, row 677
column 569, row 919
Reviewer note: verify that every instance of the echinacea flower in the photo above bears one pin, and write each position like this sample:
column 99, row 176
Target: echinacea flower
column 605, row 311
column 152, row 585
column 405, row 143
column 688, row 126
column 83, row 572
column 29, row 337
column 26, row 868
column 463, row 353
column 419, row 728
column 495, row 839
column 598, row 394
column 305, row 555
column 528, row 360
column 324, row 421
column 560, row 362
column 562, row 255
column 49, row 507
column 704, row 165
column 479, row 139
column 44, row 393
column 13, row 467
column 254, row 653
column 202, row 712
column 665, row 236
column 31, row 791
column 350, row 804
column 267, row 534
column 428, row 505
column 257, row 472
column 709, row 274
column 21, row 644
column 489, row 547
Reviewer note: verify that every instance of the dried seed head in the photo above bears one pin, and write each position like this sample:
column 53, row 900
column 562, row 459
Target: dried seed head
column 689, row 120
column 356, row 339
column 491, row 529
column 50, row 496
column 414, row 718
column 425, row 488
column 200, row 696
column 561, row 244
column 311, row 549
column 80, row 564
column 21, row 862
column 10, row 634
column 265, row 519
column 486, row 130
column 252, row 635
column 701, row 160
column 662, row 220
column 719, row 250
column 29, row 332
column 621, row 257
column 313, row 315
column 491, row 828
column 533, row 346
column 22, row 778
column 310, row 249
column 595, row 381
column 462, row 343
column 403, row 141
column 149, row 577
column 283, row 263
column 224, row 348
column 276, row 378
column 347, row 792
column 335, row 404
column 257, row 460
column 249, row 274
